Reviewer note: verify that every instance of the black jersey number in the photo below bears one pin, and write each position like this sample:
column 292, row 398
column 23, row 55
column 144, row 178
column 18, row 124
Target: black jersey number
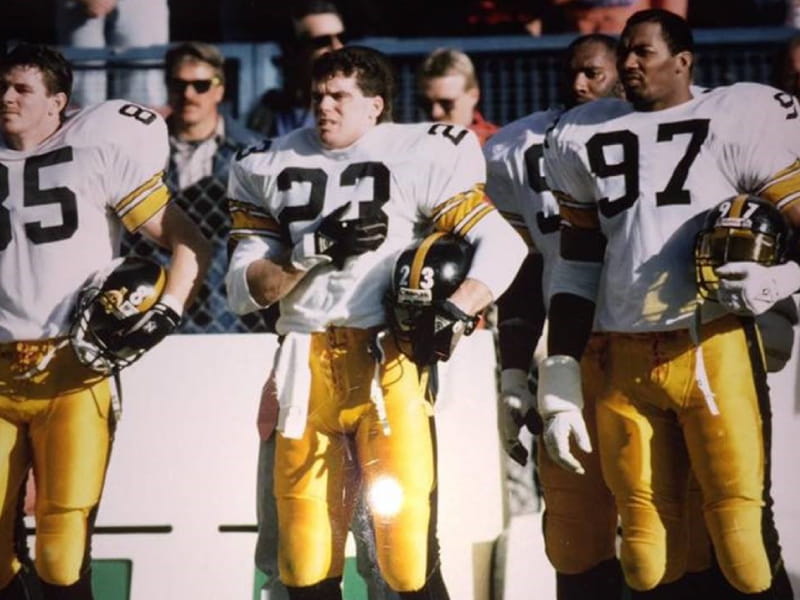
column 628, row 166
column 534, row 157
column 33, row 195
column 317, row 178
column 447, row 131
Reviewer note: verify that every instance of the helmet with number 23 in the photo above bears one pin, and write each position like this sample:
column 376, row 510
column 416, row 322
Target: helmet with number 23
column 425, row 275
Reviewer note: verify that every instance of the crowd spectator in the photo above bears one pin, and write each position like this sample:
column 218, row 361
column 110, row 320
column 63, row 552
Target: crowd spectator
column 203, row 141
column 117, row 24
column 600, row 16
column 449, row 92
column 786, row 74
column 317, row 28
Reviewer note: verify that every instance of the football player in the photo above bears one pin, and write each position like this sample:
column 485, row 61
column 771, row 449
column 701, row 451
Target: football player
column 685, row 382
column 580, row 519
column 68, row 186
column 320, row 215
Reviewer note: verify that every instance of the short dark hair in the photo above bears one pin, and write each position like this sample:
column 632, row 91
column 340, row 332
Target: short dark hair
column 675, row 30
column 313, row 7
column 195, row 52
column 56, row 70
column 372, row 69
column 608, row 41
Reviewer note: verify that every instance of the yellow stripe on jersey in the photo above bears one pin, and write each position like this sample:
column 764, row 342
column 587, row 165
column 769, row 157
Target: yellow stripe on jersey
column 783, row 188
column 460, row 213
column 248, row 220
column 419, row 259
column 577, row 214
column 135, row 209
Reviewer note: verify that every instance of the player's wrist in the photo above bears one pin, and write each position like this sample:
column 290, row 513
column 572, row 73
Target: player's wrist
column 559, row 387
column 305, row 256
column 172, row 303
column 514, row 384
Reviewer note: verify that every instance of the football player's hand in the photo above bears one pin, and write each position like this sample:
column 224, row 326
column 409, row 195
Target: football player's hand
column 154, row 325
column 560, row 402
column 748, row 288
column 336, row 240
column 449, row 324
column 268, row 409
column 515, row 402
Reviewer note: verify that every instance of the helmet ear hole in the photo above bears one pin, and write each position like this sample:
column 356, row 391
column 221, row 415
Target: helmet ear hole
column 744, row 228
column 424, row 275
column 110, row 304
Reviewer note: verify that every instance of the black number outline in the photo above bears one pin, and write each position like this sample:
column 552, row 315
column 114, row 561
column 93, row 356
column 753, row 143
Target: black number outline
column 698, row 129
column 447, row 131
column 352, row 174
column 140, row 113
column 316, row 196
column 787, row 101
column 33, row 195
column 534, row 156
column 597, row 162
column 5, row 214
column 673, row 193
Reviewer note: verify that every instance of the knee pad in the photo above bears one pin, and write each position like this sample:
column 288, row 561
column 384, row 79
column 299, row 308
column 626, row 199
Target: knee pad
column 739, row 545
column 61, row 547
column 434, row 589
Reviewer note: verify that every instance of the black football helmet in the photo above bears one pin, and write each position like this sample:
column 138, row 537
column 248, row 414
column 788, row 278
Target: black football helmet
column 743, row 228
column 425, row 275
column 109, row 306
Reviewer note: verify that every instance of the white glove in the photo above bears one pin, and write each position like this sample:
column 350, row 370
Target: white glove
column 560, row 400
column 748, row 288
column 515, row 401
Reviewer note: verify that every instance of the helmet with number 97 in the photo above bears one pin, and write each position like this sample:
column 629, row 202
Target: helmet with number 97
column 110, row 304
column 425, row 275
column 743, row 228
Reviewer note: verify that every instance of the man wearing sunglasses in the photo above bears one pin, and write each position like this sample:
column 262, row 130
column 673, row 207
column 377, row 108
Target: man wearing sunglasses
column 202, row 142
column 449, row 92
column 317, row 28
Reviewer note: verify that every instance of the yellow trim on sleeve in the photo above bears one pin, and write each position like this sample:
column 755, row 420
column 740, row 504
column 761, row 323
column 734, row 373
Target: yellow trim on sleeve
column 139, row 214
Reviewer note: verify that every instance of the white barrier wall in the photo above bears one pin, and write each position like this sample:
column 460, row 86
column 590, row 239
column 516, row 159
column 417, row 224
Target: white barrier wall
column 185, row 456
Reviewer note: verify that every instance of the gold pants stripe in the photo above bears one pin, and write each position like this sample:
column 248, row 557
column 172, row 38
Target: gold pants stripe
column 318, row 478
column 59, row 422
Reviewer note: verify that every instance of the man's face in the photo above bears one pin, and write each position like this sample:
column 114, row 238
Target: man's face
column 342, row 111
column 446, row 99
column 26, row 107
column 593, row 73
column 194, row 92
column 650, row 74
column 320, row 33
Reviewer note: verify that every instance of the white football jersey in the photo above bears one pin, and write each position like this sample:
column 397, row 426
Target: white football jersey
column 62, row 206
column 419, row 175
column 646, row 178
column 515, row 183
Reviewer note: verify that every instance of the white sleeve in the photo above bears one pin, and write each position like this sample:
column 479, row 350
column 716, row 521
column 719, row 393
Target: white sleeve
column 499, row 252
column 136, row 151
column 254, row 231
column 766, row 144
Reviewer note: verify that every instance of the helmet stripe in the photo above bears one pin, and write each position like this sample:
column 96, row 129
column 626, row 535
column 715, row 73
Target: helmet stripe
column 419, row 259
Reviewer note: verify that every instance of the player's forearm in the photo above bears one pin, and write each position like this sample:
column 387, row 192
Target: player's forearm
column 571, row 318
column 520, row 315
column 269, row 281
column 472, row 296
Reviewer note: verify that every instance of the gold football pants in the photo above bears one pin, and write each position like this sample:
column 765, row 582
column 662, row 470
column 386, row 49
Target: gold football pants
column 317, row 477
column 60, row 422
column 655, row 421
